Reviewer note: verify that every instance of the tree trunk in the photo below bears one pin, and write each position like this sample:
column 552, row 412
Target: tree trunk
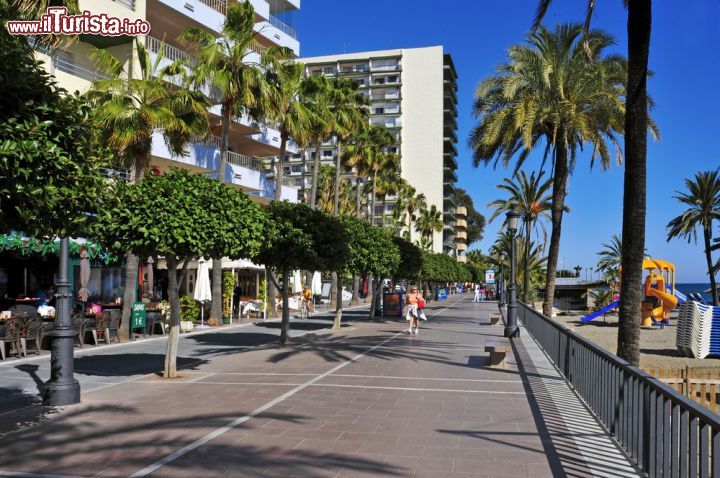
column 272, row 291
column 285, row 325
column 375, row 297
column 338, row 165
column 634, row 199
column 216, row 282
column 174, row 297
column 338, row 301
column 131, row 277
column 355, row 300
column 707, row 233
column 280, row 173
column 382, row 216
column 558, row 203
column 526, row 268
column 372, row 200
column 316, row 171
column 216, row 292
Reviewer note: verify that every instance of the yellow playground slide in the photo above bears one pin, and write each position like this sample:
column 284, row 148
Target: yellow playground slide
column 659, row 292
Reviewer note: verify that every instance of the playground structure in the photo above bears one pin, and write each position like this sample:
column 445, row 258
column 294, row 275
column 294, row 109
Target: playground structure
column 660, row 294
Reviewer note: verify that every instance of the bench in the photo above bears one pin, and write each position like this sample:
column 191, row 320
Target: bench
column 494, row 319
column 498, row 351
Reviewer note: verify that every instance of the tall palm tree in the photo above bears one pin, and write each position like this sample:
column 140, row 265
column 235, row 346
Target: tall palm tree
column 379, row 161
column 414, row 205
column 550, row 92
column 317, row 92
column 325, row 200
column 130, row 109
column 388, row 183
column 284, row 103
column 429, row 222
column 358, row 154
column 703, row 200
column 533, row 266
column 635, row 180
column 531, row 198
column 405, row 193
column 29, row 10
column 224, row 68
column 610, row 255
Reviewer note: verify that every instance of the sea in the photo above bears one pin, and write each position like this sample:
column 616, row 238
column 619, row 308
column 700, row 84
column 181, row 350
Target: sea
column 695, row 287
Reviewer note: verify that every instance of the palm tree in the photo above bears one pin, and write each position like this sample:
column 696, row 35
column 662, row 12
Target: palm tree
column 129, row 110
column 414, row 205
column 635, row 190
column 380, row 161
column 29, row 10
column 531, row 198
column 550, row 91
column 610, row 255
column 531, row 267
column 703, row 200
column 317, row 92
column 325, row 200
column 429, row 222
column 388, row 183
column 283, row 102
column 223, row 67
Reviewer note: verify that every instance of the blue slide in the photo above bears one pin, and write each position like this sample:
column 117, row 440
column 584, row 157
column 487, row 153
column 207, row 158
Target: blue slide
column 680, row 296
column 600, row 312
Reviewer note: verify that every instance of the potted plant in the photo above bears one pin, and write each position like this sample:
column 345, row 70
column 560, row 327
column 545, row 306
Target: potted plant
column 189, row 313
column 227, row 295
column 164, row 307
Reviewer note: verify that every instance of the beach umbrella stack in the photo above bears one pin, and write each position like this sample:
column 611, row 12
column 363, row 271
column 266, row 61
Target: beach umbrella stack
column 698, row 329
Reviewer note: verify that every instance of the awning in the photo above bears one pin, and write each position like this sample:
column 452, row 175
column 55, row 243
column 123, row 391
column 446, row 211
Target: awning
column 226, row 264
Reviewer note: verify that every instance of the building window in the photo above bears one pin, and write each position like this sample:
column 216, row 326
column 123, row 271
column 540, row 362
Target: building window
column 347, row 69
column 327, row 153
column 287, row 169
column 361, row 67
column 379, row 110
column 379, row 81
column 296, row 169
column 392, row 79
column 328, row 70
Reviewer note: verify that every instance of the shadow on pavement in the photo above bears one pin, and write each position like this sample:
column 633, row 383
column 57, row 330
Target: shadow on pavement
column 125, row 365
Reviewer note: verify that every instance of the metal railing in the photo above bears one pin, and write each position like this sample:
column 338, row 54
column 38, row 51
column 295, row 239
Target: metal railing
column 63, row 61
column 127, row 3
column 292, row 182
column 116, row 172
column 170, row 52
column 245, row 161
column 219, row 5
column 663, row 433
column 282, row 26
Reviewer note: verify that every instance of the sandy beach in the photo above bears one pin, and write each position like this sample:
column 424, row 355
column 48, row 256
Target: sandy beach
column 657, row 345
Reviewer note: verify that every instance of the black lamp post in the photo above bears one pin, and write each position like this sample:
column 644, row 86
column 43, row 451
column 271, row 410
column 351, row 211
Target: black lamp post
column 511, row 328
column 62, row 388
column 501, row 284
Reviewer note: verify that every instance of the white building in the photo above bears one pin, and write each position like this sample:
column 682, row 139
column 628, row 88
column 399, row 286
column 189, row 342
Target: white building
column 249, row 140
column 412, row 92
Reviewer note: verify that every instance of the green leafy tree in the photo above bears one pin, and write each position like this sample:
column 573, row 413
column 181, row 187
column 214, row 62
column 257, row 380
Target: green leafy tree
column 372, row 252
column 702, row 199
column 301, row 238
column 611, row 254
column 51, row 152
column 530, row 197
column 181, row 216
column 551, row 91
column 411, row 260
column 130, row 108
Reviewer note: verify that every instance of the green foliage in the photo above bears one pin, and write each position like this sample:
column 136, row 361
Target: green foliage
column 610, row 255
column 303, row 238
column 50, row 156
column 411, row 259
column 372, row 250
column 183, row 215
column 26, row 246
column 442, row 268
column 189, row 309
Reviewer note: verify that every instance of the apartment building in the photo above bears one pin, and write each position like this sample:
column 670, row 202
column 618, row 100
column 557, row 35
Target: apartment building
column 412, row 92
column 461, row 233
column 250, row 141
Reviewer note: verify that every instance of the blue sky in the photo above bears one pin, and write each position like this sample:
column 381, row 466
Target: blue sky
column 685, row 41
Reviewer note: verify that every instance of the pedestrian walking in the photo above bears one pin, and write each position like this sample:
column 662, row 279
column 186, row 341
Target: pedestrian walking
column 477, row 293
column 415, row 305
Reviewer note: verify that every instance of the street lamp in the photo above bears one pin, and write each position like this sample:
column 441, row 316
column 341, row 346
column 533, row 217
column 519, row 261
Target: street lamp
column 62, row 388
column 511, row 328
column 501, row 284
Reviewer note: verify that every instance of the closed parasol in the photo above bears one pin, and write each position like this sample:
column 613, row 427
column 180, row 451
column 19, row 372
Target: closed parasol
column 84, row 293
column 316, row 286
column 203, row 292
column 150, row 279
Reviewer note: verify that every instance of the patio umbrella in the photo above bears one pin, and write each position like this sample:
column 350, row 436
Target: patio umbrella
column 296, row 282
column 84, row 293
column 202, row 288
column 149, row 272
column 316, row 287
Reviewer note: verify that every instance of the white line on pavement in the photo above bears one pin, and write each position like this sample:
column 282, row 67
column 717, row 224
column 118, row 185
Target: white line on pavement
column 226, row 428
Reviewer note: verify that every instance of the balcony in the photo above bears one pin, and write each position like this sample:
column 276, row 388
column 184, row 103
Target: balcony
column 461, row 259
column 461, row 236
column 282, row 26
column 461, row 211
column 65, row 62
column 461, row 224
column 126, row 3
column 170, row 52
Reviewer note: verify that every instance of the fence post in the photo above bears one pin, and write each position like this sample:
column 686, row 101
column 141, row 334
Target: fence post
column 686, row 388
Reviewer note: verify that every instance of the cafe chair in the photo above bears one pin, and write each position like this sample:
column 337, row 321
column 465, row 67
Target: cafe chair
column 99, row 327
column 10, row 336
column 78, row 325
column 113, row 325
column 30, row 334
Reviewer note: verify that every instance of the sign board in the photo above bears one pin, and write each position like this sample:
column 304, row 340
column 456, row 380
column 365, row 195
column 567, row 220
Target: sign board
column 392, row 304
column 489, row 276
column 137, row 320
column 442, row 293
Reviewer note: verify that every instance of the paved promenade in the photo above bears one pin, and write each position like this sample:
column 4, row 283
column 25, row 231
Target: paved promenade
column 367, row 400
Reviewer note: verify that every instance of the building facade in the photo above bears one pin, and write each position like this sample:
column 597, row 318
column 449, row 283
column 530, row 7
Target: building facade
column 250, row 141
column 412, row 92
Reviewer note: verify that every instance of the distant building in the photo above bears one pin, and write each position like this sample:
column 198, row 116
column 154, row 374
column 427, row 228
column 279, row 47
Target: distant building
column 573, row 293
column 412, row 92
